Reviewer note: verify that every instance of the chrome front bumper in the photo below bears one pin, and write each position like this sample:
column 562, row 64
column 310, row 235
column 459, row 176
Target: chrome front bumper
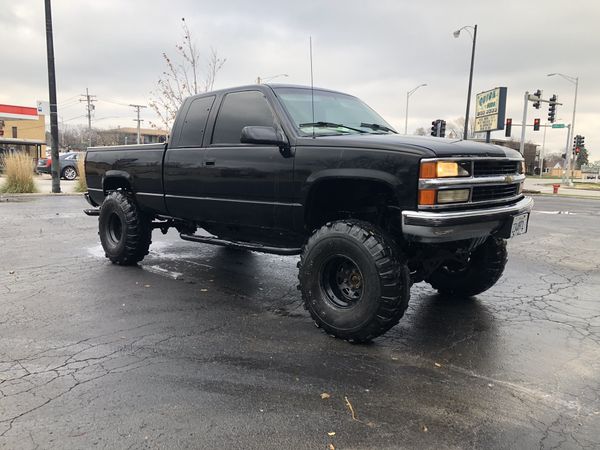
column 425, row 226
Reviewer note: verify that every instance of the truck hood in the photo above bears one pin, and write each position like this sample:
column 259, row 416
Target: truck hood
column 424, row 145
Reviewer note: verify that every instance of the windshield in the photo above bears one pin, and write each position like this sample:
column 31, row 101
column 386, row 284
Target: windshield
column 335, row 113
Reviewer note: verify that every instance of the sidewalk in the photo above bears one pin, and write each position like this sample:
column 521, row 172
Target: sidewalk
column 545, row 187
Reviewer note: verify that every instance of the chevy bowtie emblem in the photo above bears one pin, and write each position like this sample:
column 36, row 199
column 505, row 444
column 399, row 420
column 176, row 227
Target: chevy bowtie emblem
column 508, row 179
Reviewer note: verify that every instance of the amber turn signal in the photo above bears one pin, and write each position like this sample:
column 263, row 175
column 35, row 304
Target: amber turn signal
column 427, row 197
column 428, row 170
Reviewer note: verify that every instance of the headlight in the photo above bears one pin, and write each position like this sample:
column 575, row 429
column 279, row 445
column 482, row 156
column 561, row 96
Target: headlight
column 522, row 167
column 453, row 196
column 444, row 169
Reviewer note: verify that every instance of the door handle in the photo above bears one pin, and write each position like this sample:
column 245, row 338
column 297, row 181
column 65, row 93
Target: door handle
column 209, row 162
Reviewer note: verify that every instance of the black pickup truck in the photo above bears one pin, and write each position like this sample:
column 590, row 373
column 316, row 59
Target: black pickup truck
column 290, row 170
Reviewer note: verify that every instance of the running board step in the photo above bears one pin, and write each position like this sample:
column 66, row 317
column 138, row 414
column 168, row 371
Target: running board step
column 240, row 245
column 92, row 211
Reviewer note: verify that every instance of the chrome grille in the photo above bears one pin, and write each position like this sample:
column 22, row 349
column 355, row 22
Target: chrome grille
column 486, row 193
column 491, row 167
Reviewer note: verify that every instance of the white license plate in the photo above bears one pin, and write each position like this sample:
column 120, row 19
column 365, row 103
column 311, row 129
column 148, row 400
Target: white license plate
column 519, row 224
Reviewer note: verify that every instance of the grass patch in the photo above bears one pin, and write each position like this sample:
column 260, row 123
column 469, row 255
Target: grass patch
column 18, row 172
column 587, row 186
column 81, row 185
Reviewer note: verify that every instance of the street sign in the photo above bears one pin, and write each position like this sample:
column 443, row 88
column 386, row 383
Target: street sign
column 558, row 125
column 490, row 107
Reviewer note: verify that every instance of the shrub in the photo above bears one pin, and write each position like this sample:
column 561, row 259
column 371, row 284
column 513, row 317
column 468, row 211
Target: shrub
column 18, row 172
column 81, row 185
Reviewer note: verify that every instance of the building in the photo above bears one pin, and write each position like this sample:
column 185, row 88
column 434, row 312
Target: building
column 22, row 129
column 128, row 136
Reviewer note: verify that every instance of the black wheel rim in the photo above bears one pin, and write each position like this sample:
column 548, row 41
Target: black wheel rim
column 341, row 281
column 115, row 229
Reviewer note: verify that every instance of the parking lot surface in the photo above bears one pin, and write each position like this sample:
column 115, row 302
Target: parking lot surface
column 206, row 347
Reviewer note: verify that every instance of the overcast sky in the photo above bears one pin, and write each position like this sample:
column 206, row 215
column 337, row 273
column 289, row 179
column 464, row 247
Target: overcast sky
column 376, row 50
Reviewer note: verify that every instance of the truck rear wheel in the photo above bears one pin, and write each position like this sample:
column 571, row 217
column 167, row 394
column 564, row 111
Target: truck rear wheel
column 480, row 272
column 125, row 232
column 354, row 281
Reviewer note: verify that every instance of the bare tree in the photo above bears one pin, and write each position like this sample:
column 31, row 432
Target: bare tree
column 456, row 128
column 183, row 77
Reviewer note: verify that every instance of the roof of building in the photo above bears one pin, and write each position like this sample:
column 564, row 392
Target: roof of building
column 12, row 112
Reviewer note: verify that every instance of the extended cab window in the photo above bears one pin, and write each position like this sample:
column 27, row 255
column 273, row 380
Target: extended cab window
column 239, row 110
column 194, row 125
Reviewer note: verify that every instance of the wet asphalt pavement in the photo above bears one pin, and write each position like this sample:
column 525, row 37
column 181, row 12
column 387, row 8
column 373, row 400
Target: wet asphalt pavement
column 205, row 347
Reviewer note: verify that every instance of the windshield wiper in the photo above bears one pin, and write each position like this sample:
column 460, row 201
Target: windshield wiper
column 330, row 125
column 377, row 127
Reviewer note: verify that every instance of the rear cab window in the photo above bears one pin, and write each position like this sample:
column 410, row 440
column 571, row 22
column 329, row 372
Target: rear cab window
column 194, row 125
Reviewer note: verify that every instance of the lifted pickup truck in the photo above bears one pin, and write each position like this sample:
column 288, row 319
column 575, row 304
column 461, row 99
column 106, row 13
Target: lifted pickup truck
column 289, row 170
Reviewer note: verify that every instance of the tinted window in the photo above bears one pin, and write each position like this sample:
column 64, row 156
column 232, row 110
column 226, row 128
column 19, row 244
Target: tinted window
column 194, row 125
column 239, row 110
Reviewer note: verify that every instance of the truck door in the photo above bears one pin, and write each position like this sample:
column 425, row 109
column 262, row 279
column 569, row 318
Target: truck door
column 185, row 157
column 243, row 184
column 238, row 187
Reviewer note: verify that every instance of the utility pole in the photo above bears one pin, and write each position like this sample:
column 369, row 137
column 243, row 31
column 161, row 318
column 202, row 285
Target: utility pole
column 89, row 99
column 138, row 120
column 52, row 94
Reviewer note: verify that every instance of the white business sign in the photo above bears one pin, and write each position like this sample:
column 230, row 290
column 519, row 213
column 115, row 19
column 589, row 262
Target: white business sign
column 490, row 110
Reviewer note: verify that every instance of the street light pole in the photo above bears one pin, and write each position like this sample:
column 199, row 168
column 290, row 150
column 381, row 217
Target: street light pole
column 569, row 155
column 408, row 94
column 474, row 37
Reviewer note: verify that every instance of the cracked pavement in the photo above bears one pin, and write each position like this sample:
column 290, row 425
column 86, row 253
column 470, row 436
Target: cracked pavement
column 207, row 347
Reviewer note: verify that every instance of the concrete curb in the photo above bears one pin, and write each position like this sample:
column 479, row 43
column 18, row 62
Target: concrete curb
column 585, row 197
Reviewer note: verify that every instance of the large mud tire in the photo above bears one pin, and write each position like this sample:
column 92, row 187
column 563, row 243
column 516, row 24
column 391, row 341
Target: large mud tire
column 354, row 281
column 482, row 271
column 125, row 232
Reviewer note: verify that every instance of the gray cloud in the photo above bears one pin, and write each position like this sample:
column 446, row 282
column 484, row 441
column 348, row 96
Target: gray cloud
column 376, row 50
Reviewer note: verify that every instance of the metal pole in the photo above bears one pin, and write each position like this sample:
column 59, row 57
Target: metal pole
column 406, row 118
column 542, row 153
column 52, row 93
column 89, row 108
column 470, row 84
column 572, row 132
column 565, row 177
column 138, row 120
column 524, row 123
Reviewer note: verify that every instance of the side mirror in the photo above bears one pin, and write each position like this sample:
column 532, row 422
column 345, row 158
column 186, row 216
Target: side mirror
column 263, row 135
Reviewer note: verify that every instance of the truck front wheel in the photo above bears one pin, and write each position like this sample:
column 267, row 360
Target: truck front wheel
column 479, row 272
column 125, row 232
column 354, row 281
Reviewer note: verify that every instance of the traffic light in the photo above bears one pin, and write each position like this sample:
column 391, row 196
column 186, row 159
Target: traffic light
column 536, row 124
column 552, row 108
column 578, row 143
column 438, row 128
column 538, row 94
column 508, row 127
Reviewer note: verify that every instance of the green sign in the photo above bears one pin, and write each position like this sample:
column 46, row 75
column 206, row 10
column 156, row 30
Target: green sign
column 558, row 125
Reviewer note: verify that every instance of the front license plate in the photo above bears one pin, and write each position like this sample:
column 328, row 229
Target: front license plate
column 519, row 224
